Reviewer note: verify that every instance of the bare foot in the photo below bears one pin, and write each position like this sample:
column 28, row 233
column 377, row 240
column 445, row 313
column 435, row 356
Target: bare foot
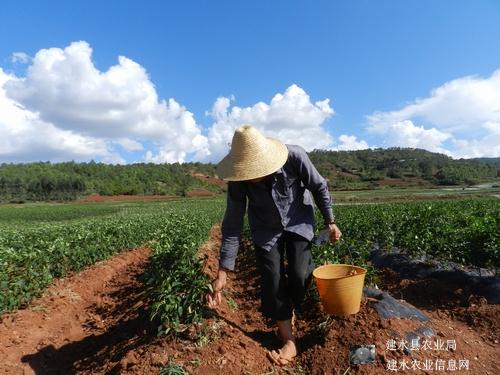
column 284, row 355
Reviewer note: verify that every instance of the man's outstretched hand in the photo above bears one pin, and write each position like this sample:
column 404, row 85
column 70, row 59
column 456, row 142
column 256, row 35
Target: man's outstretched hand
column 218, row 284
column 335, row 233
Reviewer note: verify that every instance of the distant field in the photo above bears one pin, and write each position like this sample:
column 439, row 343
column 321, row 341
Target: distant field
column 32, row 214
column 397, row 195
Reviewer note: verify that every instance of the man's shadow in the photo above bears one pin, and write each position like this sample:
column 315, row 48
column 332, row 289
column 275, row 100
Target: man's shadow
column 132, row 329
column 270, row 340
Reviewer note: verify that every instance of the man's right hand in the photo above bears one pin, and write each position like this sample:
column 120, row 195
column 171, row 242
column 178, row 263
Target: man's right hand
column 218, row 284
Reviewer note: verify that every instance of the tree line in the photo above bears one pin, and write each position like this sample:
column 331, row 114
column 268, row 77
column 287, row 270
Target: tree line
column 44, row 181
column 363, row 169
column 371, row 167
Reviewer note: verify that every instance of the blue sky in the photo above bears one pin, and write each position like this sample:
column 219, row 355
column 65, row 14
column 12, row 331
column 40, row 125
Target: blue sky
column 376, row 61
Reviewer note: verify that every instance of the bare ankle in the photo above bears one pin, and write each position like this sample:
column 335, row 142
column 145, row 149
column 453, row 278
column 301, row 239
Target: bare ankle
column 285, row 330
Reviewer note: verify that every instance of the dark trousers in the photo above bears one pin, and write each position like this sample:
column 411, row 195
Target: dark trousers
column 283, row 287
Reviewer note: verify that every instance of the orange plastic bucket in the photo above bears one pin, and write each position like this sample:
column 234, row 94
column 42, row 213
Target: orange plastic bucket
column 340, row 287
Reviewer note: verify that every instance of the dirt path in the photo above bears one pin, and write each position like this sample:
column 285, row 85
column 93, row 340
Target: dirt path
column 324, row 342
column 80, row 321
column 96, row 322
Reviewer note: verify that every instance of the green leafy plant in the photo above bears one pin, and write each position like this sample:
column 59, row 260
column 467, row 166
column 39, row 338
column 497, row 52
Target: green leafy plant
column 209, row 333
column 233, row 306
column 173, row 368
column 32, row 255
column 196, row 362
column 461, row 231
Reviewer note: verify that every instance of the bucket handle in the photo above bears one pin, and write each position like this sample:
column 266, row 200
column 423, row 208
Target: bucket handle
column 352, row 272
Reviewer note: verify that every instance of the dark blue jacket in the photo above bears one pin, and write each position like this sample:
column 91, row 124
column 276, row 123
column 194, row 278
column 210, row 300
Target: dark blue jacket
column 281, row 202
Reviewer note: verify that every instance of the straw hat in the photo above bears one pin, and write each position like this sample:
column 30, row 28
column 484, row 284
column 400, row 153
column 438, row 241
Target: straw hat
column 251, row 156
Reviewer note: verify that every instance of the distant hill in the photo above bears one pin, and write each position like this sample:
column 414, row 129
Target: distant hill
column 399, row 167
column 491, row 161
column 345, row 170
column 67, row 181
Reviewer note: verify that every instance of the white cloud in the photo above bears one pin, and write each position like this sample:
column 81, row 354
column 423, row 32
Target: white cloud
column 19, row 57
column 407, row 134
column 350, row 142
column 492, row 127
column 65, row 92
column 66, row 108
column 487, row 146
column 25, row 137
column 129, row 144
column 459, row 118
column 290, row 117
column 460, row 104
column 121, row 104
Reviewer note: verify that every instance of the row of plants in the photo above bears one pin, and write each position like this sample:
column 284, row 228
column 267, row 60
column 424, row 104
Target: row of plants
column 176, row 273
column 31, row 257
column 458, row 230
column 462, row 231
column 465, row 231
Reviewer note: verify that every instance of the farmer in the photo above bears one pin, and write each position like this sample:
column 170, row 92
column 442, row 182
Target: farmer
column 276, row 180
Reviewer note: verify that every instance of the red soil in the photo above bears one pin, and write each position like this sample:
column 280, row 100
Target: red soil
column 96, row 322
column 211, row 180
column 78, row 319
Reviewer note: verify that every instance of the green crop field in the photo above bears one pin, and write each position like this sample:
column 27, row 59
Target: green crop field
column 40, row 242
column 412, row 194
column 463, row 231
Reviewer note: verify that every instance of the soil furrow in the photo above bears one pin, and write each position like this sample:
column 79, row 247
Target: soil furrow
column 97, row 322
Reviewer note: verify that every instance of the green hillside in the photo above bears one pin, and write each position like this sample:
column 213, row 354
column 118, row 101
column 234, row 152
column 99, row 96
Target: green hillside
column 345, row 170
column 399, row 167
column 491, row 161
column 67, row 181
